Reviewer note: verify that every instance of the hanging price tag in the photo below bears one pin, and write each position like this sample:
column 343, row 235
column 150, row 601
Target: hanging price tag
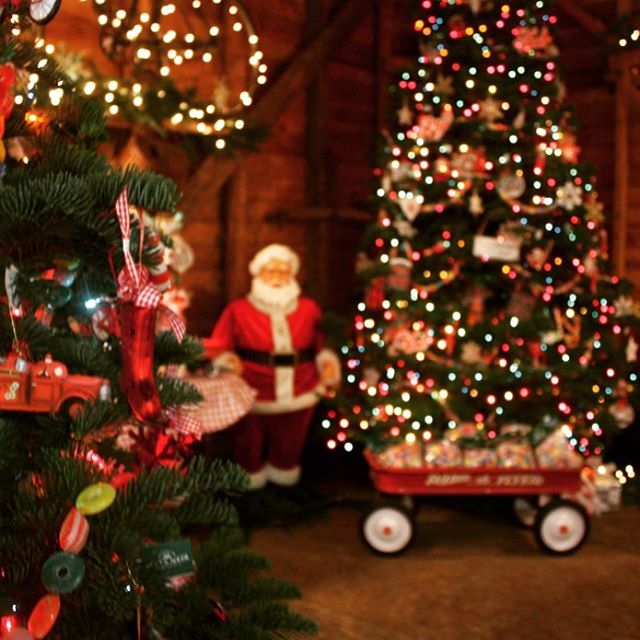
column 501, row 249
column 174, row 558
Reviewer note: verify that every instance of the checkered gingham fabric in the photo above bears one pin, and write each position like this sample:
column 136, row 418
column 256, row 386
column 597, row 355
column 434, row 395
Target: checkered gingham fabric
column 227, row 398
column 124, row 219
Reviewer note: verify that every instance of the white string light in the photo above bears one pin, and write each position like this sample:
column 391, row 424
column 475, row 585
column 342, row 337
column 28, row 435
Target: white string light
column 148, row 47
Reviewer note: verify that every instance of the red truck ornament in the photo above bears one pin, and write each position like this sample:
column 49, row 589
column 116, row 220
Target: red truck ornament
column 46, row 386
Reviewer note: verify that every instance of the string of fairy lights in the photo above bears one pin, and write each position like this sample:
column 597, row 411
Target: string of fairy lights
column 153, row 56
column 419, row 352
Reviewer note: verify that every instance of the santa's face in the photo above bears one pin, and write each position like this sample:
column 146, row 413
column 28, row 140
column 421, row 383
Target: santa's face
column 275, row 285
column 276, row 273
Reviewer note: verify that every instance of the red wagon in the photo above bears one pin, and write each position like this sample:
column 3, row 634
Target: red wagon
column 558, row 503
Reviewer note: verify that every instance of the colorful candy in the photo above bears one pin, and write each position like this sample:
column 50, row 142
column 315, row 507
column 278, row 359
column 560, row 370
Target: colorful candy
column 443, row 454
column 403, row 455
column 62, row 572
column 95, row 498
column 44, row 616
column 474, row 458
column 74, row 532
column 19, row 633
column 513, row 454
column 554, row 452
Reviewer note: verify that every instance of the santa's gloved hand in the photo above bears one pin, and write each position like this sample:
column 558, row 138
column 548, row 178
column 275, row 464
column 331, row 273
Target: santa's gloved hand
column 227, row 361
column 329, row 370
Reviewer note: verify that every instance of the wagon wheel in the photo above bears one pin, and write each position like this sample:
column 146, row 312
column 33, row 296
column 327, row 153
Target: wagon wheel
column 43, row 11
column 525, row 511
column 387, row 528
column 562, row 527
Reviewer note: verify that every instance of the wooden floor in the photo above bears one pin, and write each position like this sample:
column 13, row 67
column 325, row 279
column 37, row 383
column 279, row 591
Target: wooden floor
column 471, row 574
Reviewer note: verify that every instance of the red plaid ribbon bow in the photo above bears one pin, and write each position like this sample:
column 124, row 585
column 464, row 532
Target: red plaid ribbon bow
column 134, row 282
column 184, row 423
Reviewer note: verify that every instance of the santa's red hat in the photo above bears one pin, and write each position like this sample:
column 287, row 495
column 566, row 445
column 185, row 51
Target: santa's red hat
column 274, row 252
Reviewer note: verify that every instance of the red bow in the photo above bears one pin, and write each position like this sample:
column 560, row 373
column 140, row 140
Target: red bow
column 134, row 283
column 183, row 423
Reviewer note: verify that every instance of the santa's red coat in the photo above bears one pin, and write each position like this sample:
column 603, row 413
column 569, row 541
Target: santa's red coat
column 243, row 325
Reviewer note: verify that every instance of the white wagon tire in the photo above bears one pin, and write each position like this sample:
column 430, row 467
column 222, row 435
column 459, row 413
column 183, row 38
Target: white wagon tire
column 525, row 511
column 562, row 527
column 387, row 528
column 43, row 11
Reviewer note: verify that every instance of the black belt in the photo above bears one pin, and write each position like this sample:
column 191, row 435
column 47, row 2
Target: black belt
column 276, row 359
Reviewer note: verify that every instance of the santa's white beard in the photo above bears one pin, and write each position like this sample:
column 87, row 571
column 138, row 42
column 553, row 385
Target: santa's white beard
column 276, row 297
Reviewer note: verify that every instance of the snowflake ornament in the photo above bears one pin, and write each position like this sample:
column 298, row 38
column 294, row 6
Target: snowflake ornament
column 444, row 85
column 569, row 196
column 491, row 111
column 595, row 209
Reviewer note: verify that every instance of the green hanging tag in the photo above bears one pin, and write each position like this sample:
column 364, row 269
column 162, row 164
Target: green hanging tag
column 174, row 558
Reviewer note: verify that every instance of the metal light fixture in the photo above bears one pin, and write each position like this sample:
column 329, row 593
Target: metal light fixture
column 210, row 43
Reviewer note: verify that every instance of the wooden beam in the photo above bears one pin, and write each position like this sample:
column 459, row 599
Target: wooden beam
column 301, row 69
column 316, row 179
column 307, row 62
column 316, row 242
column 313, row 215
column 621, row 191
column 581, row 16
column 236, row 228
column 624, row 59
column 383, row 49
column 624, row 96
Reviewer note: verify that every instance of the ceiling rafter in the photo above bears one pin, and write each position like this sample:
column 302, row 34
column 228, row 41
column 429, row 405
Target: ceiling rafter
column 582, row 17
column 301, row 69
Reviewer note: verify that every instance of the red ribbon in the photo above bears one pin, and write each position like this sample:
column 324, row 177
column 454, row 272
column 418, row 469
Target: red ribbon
column 134, row 282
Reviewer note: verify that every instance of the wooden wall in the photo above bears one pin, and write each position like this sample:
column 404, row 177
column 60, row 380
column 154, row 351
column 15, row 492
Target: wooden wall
column 309, row 183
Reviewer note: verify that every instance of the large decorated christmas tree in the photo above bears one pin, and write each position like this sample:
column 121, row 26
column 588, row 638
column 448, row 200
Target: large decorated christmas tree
column 96, row 540
column 488, row 309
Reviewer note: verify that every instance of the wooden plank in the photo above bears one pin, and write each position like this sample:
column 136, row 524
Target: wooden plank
column 621, row 195
column 237, row 227
column 312, row 215
column 315, row 143
column 268, row 107
column 276, row 174
column 587, row 21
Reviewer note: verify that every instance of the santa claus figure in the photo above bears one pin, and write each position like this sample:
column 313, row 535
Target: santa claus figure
column 272, row 338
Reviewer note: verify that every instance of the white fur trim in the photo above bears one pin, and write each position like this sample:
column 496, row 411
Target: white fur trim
column 269, row 407
column 283, row 477
column 258, row 480
column 277, row 252
column 282, row 343
column 269, row 308
column 327, row 355
column 284, row 383
column 280, row 332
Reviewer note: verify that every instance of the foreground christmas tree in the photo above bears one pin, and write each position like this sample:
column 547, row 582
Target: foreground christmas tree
column 488, row 313
column 93, row 540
